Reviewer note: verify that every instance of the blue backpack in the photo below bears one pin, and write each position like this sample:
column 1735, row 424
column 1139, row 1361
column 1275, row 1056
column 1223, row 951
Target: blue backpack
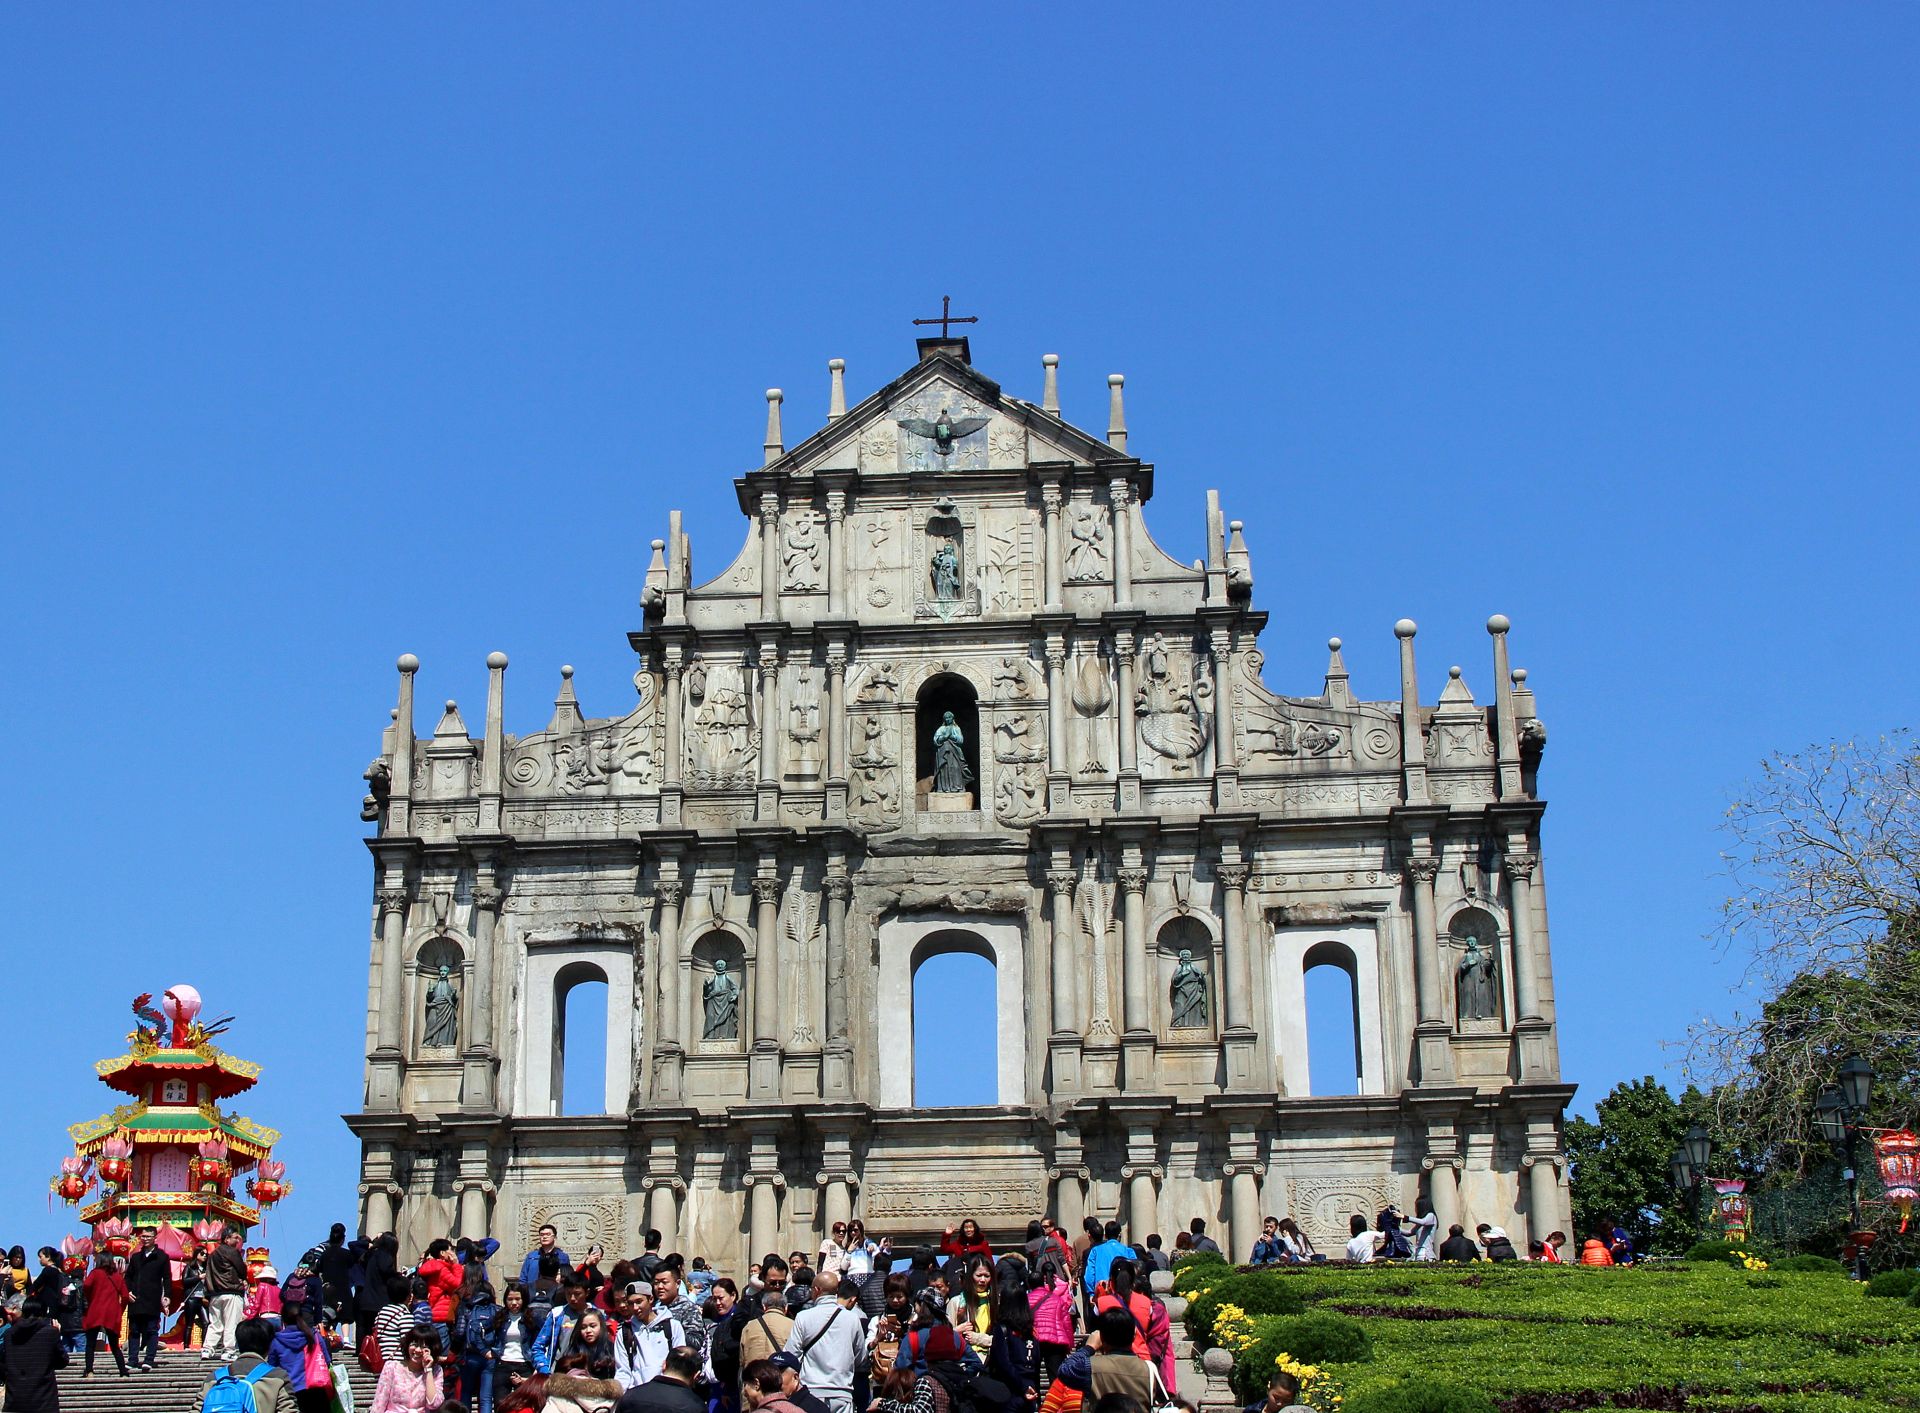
column 233, row 1393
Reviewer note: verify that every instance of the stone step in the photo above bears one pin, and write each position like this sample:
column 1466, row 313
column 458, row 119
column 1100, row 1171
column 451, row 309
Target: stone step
column 173, row 1386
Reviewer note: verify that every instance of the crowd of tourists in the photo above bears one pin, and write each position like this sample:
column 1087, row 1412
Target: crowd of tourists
column 1058, row 1323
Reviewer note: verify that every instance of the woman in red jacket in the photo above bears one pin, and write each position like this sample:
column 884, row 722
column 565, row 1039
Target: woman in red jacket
column 968, row 1241
column 103, row 1297
column 443, row 1277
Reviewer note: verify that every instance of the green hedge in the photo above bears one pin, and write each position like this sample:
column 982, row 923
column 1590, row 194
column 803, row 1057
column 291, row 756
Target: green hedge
column 1715, row 1250
column 1192, row 1273
column 1894, row 1285
column 1422, row 1398
column 1254, row 1293
column 1814, row 1265
column 1316, row 1338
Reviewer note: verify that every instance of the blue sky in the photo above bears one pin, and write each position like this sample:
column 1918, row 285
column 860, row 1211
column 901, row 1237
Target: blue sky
column 335, row 333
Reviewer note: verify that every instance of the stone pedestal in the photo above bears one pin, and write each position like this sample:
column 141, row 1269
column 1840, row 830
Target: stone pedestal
column 949, row 802
column 1064, row 1053
column 763, row 1074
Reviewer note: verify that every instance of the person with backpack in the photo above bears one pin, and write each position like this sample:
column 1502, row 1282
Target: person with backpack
column 1153, row 1331
column 515, row 1328
column 645, row 1334
column 473, row 1338
column 251, row 1383
column 305, row 1353
column 1494, row 1241
column 760, row 1321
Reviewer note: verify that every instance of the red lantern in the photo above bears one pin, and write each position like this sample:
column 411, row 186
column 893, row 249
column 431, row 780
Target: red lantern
column 210, row 1171
column 72, row 1182
column 267, row 1188
column 206, row 1232
column 1898, row 1154
column 114, row 1236
column 116, row 1161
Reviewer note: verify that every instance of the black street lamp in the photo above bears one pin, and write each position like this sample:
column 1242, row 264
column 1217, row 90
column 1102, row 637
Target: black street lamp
column 1688, row 1166
column 1838, row 1114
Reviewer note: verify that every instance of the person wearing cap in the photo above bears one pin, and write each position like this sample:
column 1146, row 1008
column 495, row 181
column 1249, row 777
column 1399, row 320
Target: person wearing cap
column 264, row 1297
column 803, row 1399
column 645, row 1332
column 829, row 1339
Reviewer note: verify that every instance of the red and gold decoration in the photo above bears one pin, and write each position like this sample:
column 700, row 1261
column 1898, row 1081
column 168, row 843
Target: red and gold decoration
column 269, row 1188
column 1897, row 1151
column 171, row 1156
column 1736, row 1212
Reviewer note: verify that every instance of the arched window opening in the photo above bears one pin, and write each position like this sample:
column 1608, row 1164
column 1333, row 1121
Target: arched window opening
column 941, row 695
column 1333, row 1021
column 956, row 1051
column 580, row 1039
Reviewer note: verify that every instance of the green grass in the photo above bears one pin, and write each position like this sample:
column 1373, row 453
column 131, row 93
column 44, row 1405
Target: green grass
column 1727, row 1338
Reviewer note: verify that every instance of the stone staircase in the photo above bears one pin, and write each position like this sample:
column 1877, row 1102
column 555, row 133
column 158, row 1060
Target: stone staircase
column 173, row 1387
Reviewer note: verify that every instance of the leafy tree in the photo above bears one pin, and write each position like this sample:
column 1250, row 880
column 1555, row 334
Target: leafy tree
column 1618, row 1165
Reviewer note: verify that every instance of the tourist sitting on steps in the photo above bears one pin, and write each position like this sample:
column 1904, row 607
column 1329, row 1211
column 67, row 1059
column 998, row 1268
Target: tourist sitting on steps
column 1364, row 1245
column 1457, row 1247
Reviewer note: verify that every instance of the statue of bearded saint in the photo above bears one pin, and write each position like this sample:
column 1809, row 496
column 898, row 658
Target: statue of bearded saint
column 1479, row 987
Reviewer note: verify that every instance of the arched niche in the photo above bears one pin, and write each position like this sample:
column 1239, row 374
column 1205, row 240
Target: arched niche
column 942, row 693
column 552, row 970
column 1188, row 933
column 906, row 942
column 1477, row 925
column 433, row 953
column 712, row 948
column 1355, row 949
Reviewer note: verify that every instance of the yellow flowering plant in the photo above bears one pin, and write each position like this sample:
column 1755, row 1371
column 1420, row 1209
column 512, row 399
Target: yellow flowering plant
column 1313, row 1386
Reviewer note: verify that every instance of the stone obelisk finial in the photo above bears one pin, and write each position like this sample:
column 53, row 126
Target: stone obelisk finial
column 1050, row 391
column 1116, row 412
column 837, row 395
column 775, row 446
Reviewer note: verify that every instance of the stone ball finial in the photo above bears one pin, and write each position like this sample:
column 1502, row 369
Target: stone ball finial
column 452, row 705
column 1236, row 526
column 1498, row 623
column 1333, row 645
column 1116, row 380
column 1519, row 675
column 774, row 395
column 1405, row 628
column 497, row 661
column 566, row 671
column 1217, row 1361
column 658, row 544
column 1050, row 360
column 393, row 713
column 408, row 663
column 1454, row 673
column 836, row 365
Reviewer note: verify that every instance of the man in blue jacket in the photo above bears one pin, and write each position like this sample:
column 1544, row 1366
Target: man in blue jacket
column 549, row 1245
column 1101, row 1258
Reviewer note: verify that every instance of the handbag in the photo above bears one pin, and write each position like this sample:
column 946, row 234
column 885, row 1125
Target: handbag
column 369, row 1353
column 319, row 1371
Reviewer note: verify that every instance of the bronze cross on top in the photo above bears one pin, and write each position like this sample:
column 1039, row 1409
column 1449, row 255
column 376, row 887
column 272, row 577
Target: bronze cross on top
column 947, row 316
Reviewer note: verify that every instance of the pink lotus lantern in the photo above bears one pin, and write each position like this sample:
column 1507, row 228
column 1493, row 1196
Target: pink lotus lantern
column 206, row 1232
column 73, row 1180
column 267, row 1188
column 1898, row 1154
column 116, row 1160
column 210, row 1171
column 1735, row 1210
column 114, row 1235
column 75, row 1250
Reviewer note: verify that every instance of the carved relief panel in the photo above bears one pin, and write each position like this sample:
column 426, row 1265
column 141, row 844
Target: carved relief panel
column 1173, row 710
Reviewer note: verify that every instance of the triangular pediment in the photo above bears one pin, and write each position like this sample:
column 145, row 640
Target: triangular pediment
column 942, row 415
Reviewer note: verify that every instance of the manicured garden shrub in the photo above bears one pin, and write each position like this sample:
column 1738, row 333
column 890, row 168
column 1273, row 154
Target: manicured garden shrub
column 1713, row 1251
column 1422, row 1397
column 1257, row 1294
column 1317, row 1338
column 1894, row 1285
column 1202, row 1268
column 1810, row 1265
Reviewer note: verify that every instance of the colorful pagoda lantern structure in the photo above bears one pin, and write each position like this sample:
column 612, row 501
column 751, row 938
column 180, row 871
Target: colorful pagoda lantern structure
column 172, row 1156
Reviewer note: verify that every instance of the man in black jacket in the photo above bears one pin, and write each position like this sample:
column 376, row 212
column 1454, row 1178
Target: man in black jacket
column 149, row 1284
column 1456, row 1247
column 28, row 1357
column 673, row 1390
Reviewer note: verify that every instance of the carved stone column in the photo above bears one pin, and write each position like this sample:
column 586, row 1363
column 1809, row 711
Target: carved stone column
column 474, row 1191
column 768, row 802
column 764, row 1182
column 383, row 1077
column 1238, row 1042
column 837, row 553
column 1124, row 645
column 477, row 1077
column 837, row 1079
column 1443, row 1184
column 769, row 556
column 1226, row 768
column 669, row 1054
column 1243, row 1207
column 1063, row 1045
column 1069, row 1191
column 673, row 668
column 379, row 1201
column 1141, row 1171
column 1433, row 1042
column 663, row 1206
column 1051, row 500
column 1543, row 1193
column 1059, row 796
column 1119, row 497
column 836, row 1179
column 1136, row 1043
column 1533, row 1030
column 763, row 1079
column 836, row 730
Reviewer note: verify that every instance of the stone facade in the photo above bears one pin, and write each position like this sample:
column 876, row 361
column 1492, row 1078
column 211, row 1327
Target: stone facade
column 755, row 859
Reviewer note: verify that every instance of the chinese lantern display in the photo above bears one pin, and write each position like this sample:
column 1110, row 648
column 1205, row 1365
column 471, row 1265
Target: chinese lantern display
column 74, row 1251
column 115, row 1164
column 114, row 1236
column 268, row 1188
column 73, row 1180
column 206, row 1233
column 1735, row 1210
column 1898, row 1154
column 210, row 1171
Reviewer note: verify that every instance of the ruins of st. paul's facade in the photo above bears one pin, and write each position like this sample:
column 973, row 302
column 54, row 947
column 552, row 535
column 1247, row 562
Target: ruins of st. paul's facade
column 951, row 696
